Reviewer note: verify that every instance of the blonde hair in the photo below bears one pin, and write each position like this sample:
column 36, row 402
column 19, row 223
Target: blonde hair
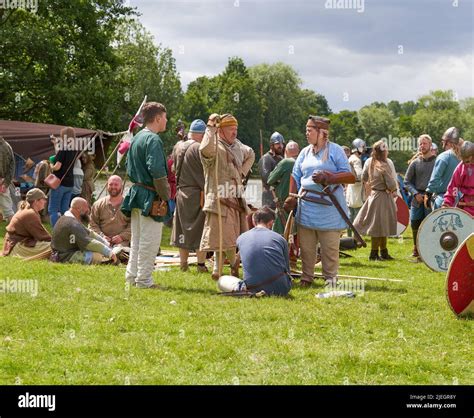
column 24, row 204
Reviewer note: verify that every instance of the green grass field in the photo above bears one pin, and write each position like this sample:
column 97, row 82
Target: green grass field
column 84, row 327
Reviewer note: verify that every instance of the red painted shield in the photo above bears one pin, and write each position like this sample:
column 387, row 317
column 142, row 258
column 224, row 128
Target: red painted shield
column 403, row 215
column 460, row 279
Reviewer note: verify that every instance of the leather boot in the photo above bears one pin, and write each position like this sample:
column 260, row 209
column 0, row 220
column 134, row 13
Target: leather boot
column 374, row 255
column 384, row 255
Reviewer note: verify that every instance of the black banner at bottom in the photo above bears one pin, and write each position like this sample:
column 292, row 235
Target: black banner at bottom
column 236, row 401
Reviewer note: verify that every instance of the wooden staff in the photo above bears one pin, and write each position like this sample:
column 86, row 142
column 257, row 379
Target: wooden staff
column 346, row 276
column 220, row 260
column 41, row 256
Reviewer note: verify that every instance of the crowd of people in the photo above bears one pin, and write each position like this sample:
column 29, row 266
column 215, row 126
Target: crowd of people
column 325, row 188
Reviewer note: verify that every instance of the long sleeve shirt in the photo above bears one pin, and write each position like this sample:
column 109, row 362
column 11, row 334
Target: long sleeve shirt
column 25, row 227
column 313, row 215
column 443, row 170
column 109, row 220
column 461, row 187
column 418, row 174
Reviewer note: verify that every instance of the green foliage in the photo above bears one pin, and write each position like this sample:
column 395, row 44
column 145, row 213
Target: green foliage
column 377, row 122
column 238, row 96
column 436, row 112
column 286, row 105
column 58, row 65
column 197, row 101
column 345, row 127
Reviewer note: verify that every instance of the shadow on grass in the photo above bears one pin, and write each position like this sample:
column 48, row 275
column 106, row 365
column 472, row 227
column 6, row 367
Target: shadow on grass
column 372, row 264
column 371, row 288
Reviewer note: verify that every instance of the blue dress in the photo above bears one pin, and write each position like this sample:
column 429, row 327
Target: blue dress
column 314, row 215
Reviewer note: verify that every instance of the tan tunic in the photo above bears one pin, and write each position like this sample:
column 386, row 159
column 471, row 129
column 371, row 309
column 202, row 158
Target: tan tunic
column 234, row 162
column 110, row 221
column 378, row 215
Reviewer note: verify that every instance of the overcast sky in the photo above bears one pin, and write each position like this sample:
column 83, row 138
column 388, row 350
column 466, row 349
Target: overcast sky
column 374, row 50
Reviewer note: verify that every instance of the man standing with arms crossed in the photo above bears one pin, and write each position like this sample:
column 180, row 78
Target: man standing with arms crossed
column 147, row 169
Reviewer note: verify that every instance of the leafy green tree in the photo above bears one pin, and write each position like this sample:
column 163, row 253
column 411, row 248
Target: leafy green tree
column 279, row 88
column 467, row 106
column 345, row 127
column 238, row 96
column 377, row 121
column 436, row 112
column 197, row 102
column 58, row 65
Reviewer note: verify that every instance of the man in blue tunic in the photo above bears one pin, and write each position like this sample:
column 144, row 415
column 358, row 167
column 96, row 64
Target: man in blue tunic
column 265, row 259
column 445, row 164
column 147, row 170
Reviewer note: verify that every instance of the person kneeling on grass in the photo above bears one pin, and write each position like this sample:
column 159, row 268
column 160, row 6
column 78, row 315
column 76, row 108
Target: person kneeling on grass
column 26, row 236
column 265, row 259
column 72, row 242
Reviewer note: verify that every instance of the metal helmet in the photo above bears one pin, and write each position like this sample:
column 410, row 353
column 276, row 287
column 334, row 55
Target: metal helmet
column 277, row 138
column 467, row 150
column 359, row 145
column 451, row 135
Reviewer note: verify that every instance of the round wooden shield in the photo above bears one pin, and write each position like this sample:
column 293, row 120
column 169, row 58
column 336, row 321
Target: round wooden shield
column 440, row 235
column 460, row 279
column 403, row 215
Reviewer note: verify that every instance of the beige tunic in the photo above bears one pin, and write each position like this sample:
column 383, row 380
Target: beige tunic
column 378, row 215
column 110, row 221
column 234, row 162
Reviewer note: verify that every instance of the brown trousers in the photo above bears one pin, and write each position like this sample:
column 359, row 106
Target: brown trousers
column 329, row 242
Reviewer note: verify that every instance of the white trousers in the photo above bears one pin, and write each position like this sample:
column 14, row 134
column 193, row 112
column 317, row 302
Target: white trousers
column 144, row 245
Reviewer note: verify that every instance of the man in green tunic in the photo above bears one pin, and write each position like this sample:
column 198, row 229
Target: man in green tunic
column 279, row 179
column 147, row 170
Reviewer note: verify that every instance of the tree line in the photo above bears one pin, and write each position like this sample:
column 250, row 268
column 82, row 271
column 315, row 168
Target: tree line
column 89, row 64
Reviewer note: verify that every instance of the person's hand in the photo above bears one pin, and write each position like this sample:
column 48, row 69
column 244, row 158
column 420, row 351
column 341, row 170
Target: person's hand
column 214, row 120
column 419, row 198
column 321, row 177
column 289, row 204
column 117, row 239
column 113, row 257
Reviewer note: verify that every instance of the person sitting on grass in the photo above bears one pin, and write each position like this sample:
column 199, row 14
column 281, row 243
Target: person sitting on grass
column 107, row 219
column 72, row 242
column 265, row 259
column 26, row 235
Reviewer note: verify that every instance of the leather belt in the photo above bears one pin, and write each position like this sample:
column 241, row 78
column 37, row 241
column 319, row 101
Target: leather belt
column 230, row 204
